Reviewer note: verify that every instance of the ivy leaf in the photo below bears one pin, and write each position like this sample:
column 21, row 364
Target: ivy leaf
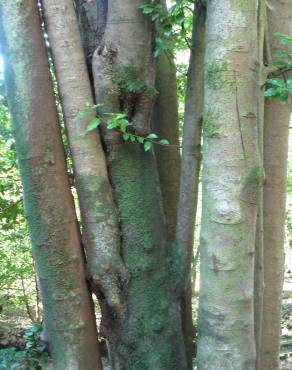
column 147, row 146
column 93, row 124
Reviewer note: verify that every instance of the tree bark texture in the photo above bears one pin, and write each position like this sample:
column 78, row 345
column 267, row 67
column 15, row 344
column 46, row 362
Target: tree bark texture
column 276, row 133
column 48, row 202
column 190, row 169
column 232, row 176
column 101, row 234
column 149, row 335
column 259, row 245
column 165, row 123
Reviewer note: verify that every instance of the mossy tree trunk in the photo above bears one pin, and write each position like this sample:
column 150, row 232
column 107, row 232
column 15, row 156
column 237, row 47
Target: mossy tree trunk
column 191, row 163
column 68, row 309
column 149, row 335
column 276, row 134
column 231, row 180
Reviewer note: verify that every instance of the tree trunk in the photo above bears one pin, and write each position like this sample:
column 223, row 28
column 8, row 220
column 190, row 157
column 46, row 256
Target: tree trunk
column 101, row 234
column 165, row 123
column 276, row 133
column 149, row 335
column 232, row 177
column 48, row 202
column 259, row 245
column 191, row 162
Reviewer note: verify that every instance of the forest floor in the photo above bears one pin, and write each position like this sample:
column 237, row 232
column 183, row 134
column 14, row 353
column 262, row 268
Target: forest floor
column 286, row 339
column 12, row 328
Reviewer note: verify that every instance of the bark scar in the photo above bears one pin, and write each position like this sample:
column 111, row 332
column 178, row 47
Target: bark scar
column 238, row 116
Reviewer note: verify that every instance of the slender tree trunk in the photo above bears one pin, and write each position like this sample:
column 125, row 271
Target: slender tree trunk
column 276, row 133
column 191, row 162
column 26, row 300
column 259, row 245
column 101, row 234
column 232, row 177
column 149, row 335
column 48, row 202
column 165, row 123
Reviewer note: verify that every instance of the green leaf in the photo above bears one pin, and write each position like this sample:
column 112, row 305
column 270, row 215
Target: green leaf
column 147, row 146
column 271, row 92
column 284, row 96
column 93, row 124
column 276, row 81
column 83, row 114
column 289, row 84
column 281, row 63
column 152, row 136
column 164, row 142
column 15, row 366
column 126, row 136
column 112, row 123
column 140, row 139
column 283, row 53
column 147, row 9
column 97, row 105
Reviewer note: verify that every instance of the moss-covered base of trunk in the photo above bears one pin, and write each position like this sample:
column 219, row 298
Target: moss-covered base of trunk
column 149, row 336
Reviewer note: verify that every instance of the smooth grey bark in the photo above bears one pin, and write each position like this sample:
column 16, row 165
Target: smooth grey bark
column 68, row 309
column 101, row 234
column 190, row 168
column 276, row 134
column 232, row 177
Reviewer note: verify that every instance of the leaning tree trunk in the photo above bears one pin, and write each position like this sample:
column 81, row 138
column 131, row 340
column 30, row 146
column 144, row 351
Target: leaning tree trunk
column 231, row 179
column 101, row 234
column 49, row 208
column 276, row 134
column 149, row 335
column 191, row 163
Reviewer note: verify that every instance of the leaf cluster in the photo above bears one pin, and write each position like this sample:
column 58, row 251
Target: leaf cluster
column 173, row 24
column 120, row 122
column 281, row 86
column 34, row 356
